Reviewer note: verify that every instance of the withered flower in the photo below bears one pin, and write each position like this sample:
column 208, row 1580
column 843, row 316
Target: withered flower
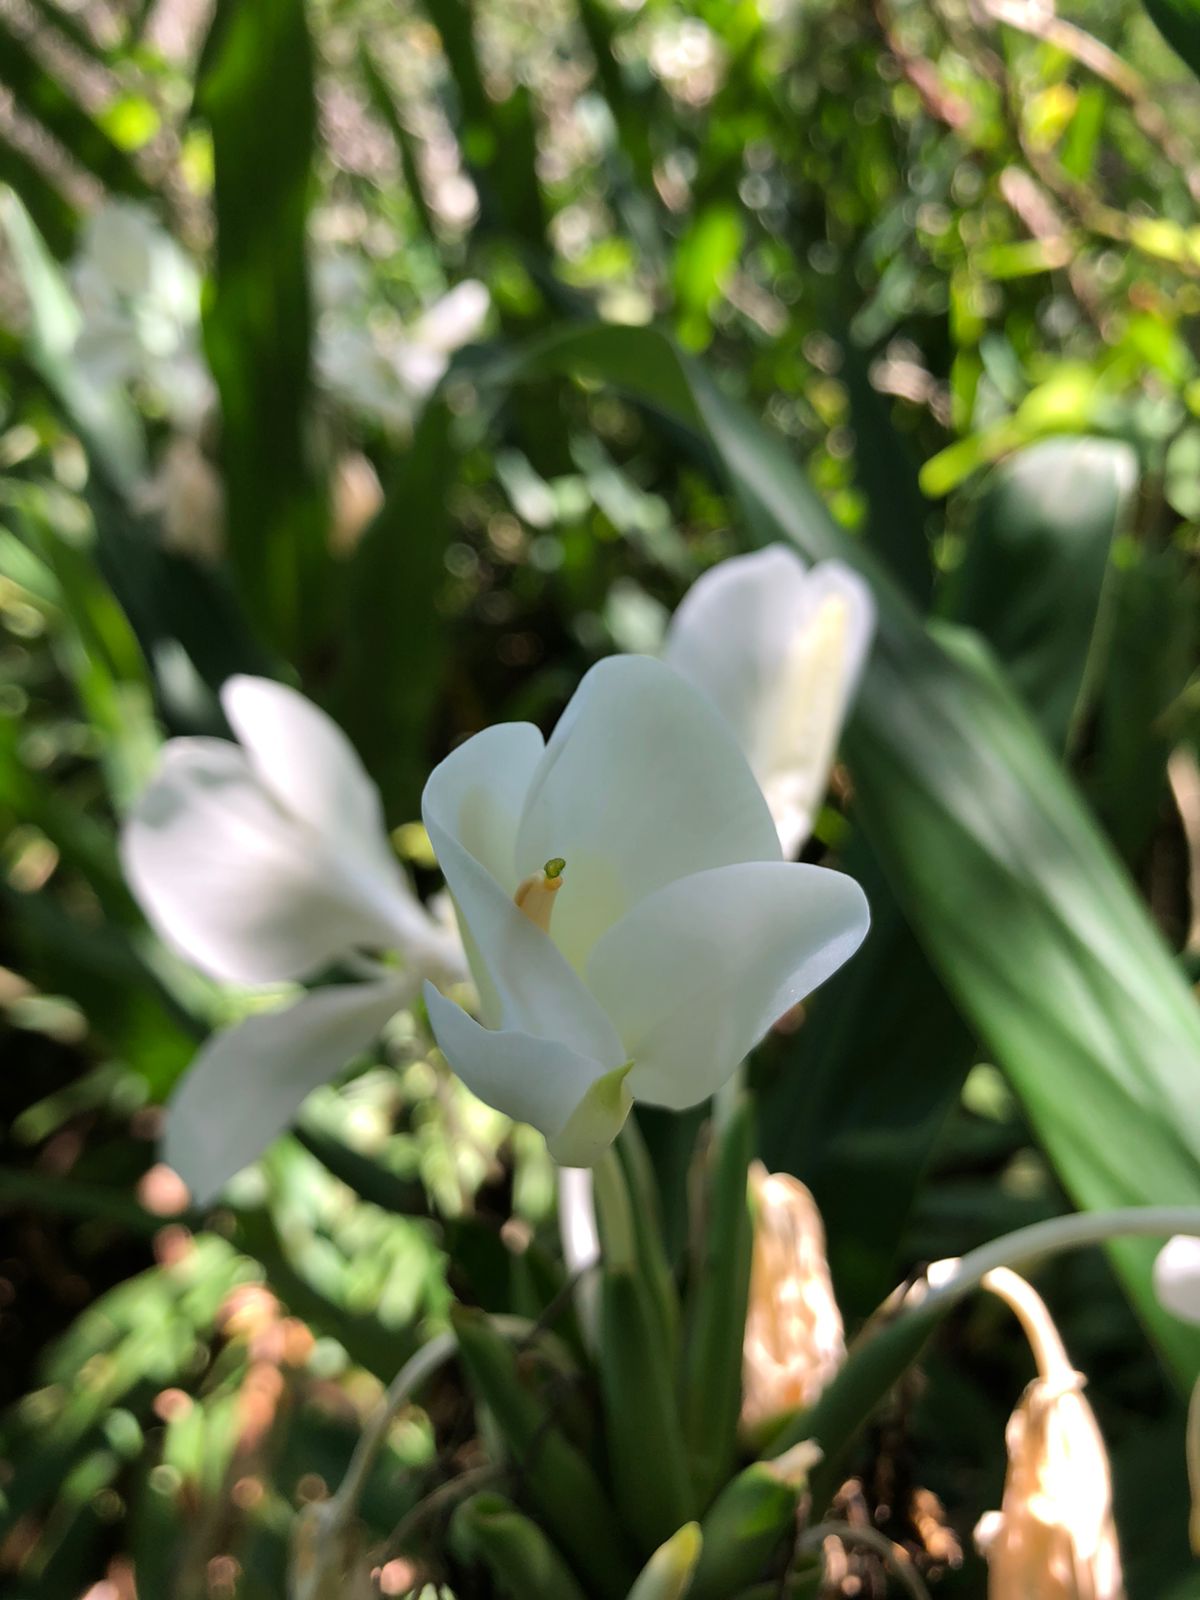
column 1054, row 1538
column 794, row 1342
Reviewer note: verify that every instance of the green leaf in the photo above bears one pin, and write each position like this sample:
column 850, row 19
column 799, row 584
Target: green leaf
column 256, row 91
column 704, row 258
column 53, row 214
column 897, row 511
column 1179, row 23
column 744, row 1529
column 521, row 1559
column 127, row 1008
column 715, row 1321
column 104, row 417
column 863, row 1091
column 1034, row 574
column 369, row 1180
column 394, row 658
column 651, row 1487
column 1017, row 897
column 1151, row 654
column 559, row 1481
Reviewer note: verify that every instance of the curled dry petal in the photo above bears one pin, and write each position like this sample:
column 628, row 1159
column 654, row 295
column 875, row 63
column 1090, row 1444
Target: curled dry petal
column 794, row 1340
column 1054, row 1537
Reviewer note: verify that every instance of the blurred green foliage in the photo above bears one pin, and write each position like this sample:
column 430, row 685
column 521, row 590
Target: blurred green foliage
column 755, row 270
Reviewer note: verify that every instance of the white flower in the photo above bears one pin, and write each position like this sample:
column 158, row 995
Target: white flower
column 779, row 650
column 631, row 926
column 263, row 862
column 1177, row 1277
column 385, row 370
column 139, row 295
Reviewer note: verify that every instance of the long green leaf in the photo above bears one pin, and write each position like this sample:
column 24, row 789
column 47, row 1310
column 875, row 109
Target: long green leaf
column 256, row 91
column 103, row 415
column 394, row 657
column 187, row 622
column 1179, row 23
column 1034, row 574
column 863, row 1091
column 1017, row 897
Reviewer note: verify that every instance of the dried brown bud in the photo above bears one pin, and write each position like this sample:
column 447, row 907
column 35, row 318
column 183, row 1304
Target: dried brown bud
column 1054, row 1538
column 357, row 496
column 794, row 1342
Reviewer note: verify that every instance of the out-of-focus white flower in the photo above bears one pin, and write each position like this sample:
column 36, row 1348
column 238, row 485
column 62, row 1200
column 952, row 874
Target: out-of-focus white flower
column 139, row 295
column 1054, row 1537
column 779, row 649
column 1177, row 1277
column 380, row 368
column 631, row 925
column 263, row 862
column 794, row 1341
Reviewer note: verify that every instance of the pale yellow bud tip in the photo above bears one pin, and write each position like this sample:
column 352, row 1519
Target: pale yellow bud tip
column 535, row 894
column 668, row 1573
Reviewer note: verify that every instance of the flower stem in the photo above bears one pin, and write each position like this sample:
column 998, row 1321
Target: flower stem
column 950, row 1280
column 1192, row 1450
column 321, row 1550
column 580, row 1243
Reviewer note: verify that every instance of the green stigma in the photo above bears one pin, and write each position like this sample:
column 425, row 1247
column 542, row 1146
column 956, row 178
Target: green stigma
column 554, row 867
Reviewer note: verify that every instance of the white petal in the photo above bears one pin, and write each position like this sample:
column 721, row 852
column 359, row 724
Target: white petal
column 231, row 881
column 578, row 1103
column 642, row 783
column 477, row 793
column 780, row 651
column 246, row 1085
column 456, row 318
column 418, row 369
column 1177, row 1277
column 304, row 760
column 470, row 806
column 695, row 975
column 733, row 627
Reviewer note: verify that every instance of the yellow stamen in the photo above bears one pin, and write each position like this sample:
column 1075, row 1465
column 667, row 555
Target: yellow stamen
column 535, row 894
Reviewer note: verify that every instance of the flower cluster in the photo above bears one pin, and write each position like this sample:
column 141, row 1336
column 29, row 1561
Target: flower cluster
column 626, row 910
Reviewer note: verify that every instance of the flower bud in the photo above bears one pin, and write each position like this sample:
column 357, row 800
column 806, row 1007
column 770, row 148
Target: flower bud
column 357, row 496
column 794, row 1342
column 1054, row 1537
column 1177, row 1277
column 1177, row 1285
